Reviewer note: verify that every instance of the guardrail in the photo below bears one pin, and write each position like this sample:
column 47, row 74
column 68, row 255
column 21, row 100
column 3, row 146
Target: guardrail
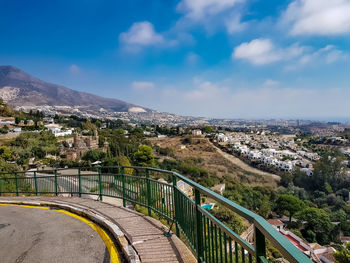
column 210, row 239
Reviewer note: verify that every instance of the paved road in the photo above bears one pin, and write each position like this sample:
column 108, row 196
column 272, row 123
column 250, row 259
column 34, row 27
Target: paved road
column 43, row 235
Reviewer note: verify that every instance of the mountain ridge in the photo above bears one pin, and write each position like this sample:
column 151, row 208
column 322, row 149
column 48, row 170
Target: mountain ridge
column 19, row 88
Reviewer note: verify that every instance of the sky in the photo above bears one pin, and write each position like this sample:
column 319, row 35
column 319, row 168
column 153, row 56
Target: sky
column 215, row 58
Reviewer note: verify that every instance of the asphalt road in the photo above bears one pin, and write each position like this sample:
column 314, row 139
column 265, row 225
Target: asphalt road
column 44, row 235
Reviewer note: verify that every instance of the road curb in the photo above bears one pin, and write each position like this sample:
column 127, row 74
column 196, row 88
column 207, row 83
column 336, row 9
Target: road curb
column 127, row 249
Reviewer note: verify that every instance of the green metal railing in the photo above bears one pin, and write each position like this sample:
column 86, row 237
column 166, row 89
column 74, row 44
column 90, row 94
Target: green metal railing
column 210, row 239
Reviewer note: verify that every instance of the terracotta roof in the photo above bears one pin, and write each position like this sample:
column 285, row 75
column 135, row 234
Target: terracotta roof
column 275, row 222
column 329, row 256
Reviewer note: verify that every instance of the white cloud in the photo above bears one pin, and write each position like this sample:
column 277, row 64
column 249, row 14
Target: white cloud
column 326, row 55
column 234, row 24
column 139, row 35
column 269, row 99
column 213, row 15
column 201, row 9
column 318, row 17
column 143, row 86
column 263, row 51
column 74, row 69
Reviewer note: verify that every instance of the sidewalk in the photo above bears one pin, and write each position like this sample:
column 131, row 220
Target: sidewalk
column 145, row 234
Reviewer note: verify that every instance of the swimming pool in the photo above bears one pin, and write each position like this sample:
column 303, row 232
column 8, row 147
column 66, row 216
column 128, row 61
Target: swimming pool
column 208, row 206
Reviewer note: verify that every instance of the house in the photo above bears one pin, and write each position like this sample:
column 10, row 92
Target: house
column 308, row 171
column 221, row 137
column 184, row 187
column 57, row 130
column 7, row 121
column 314, row 251
column 196, row 132
column 18, row 129
column 48, row 120
column 219, row 188
column 276, row 223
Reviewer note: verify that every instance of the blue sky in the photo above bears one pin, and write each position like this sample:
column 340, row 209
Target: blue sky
column 215, row 58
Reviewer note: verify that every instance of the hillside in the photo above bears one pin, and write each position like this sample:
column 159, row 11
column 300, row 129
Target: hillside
column 213, row 161
column 18, row 88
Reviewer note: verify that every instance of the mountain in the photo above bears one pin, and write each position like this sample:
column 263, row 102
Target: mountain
column 18, row 88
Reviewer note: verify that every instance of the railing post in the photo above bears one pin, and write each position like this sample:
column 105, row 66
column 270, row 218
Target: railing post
column 123, row 183
column 199, row 227
column 79, row 181
column 36, row 184
column 148, row 183
column 260, row 245
column 100, row 183
column 16, row 178
column 56, row 183
column 175, row 205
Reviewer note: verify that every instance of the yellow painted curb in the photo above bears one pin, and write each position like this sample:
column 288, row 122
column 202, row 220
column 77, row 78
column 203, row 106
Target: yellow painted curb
column 113, row 252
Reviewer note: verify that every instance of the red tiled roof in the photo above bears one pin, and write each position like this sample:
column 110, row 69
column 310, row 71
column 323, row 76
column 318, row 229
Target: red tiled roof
column 275, row 222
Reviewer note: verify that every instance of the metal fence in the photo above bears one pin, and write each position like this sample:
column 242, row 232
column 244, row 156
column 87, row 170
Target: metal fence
column 210, row 239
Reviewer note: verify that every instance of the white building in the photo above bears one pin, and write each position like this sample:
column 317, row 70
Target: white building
column 197, row 132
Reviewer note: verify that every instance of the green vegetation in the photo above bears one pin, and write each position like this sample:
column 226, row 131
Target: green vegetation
column 343, row 256
column 289, row 204
column 93, row 156
column 33, row 145
column 231, row 219
column 144, row 156
column 190, row 167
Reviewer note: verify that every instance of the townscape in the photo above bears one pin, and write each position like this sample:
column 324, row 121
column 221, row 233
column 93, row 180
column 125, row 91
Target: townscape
column 208, row 131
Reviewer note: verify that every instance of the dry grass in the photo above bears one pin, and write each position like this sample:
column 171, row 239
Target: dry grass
column 213, row 160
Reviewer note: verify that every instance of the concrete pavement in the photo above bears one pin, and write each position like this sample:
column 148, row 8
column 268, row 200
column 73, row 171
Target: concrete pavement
column 44, row 235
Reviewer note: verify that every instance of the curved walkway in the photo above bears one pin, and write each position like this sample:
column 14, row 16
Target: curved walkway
column 145, row 234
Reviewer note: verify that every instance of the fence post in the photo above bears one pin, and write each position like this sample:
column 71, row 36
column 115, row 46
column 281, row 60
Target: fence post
column 79, row 181
column 199, row 227
column 16, row 178
column 100, row 182
column 36, row 184
column 175, row 205
column 148, row 184
column 56, row 183
column 260, row 245
column 123, row 182
column 1, row 185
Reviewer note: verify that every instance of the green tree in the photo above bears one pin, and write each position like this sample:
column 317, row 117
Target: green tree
column 318, row 221
column 207, row 129
column 343, row 256
column 329, row 174
column 88, row 125
column 290, row 204
column 93, row 156
column 5, row 153
column 231, row 219
column 144, row 156
column 124, row 161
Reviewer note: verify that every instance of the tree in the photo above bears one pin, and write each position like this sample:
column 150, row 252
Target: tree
column 343, row 256
column 231, row 219
column 89, row 125
column 318, row 221
column 329, row 173
column 5, row 153
column 144, row 156
column 93, row 155
column 290, row 204
column 124, row 161
column 207, row 129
